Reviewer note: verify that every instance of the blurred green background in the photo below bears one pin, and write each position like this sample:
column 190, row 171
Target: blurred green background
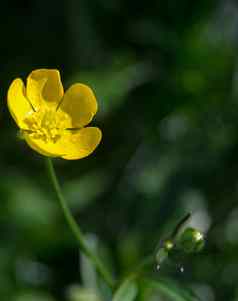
column 165, row 76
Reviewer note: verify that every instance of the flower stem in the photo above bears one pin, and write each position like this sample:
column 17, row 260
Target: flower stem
column 75, row 227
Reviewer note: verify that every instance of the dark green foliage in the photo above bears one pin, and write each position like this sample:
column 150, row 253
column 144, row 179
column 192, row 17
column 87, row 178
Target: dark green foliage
column 165, row 75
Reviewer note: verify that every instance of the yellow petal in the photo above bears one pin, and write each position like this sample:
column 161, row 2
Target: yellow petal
column 44, row 87
column 48, row 149
column 80, row 104
column 71, row 146
column 82, row 143
column 18, row 105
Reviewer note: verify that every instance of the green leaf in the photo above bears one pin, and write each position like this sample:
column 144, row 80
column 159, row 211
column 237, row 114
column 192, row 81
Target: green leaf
column 33, row 296
column 171, row 291
column 78, row 293
column 127, row 291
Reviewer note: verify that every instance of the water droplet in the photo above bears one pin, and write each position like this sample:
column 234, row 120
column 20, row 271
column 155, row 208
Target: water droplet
column 181, row 268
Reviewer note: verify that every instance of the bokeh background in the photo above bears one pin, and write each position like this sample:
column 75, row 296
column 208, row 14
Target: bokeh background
column 165, row 76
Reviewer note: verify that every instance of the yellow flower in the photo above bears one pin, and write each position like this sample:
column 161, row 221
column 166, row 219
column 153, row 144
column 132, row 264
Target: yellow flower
column 51, row 121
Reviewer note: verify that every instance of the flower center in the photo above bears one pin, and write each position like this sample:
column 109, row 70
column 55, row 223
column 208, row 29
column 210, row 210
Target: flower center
column 47, row 125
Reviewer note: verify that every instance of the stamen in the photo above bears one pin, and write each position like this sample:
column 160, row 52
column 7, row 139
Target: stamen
column 46, row 125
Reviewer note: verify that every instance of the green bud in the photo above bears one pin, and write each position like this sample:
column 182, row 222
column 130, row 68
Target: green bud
column 161, row 255
column 168, row 245
column 191, row 241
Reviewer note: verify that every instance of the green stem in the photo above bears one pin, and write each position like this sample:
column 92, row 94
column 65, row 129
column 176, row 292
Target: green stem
column 75, row 227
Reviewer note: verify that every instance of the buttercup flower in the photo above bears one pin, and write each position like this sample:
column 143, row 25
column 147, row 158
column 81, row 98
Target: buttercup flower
column 51, row 121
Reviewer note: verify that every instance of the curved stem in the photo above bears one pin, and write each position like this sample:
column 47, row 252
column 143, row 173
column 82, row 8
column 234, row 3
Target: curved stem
column 180, row 225
column 75, row 227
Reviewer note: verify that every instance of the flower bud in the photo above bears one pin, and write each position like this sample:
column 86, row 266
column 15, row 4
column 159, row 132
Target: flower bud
column 168, row 245
column 191, row 241
column 163, row 252
column 161, row 255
